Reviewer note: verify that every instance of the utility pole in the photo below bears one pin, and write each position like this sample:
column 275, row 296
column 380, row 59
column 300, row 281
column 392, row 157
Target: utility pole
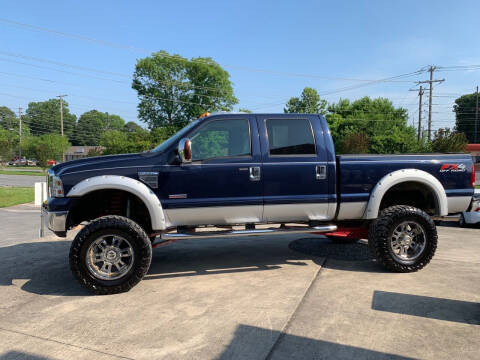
column 431, row 69
column 420, row 95
column 476, row 117
column 20, row 132
column 61, row 121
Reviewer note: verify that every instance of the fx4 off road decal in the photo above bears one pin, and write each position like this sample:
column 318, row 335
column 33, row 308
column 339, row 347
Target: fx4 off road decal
column 453, row 168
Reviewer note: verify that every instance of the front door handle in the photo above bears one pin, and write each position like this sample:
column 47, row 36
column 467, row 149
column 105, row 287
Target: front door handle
column 254, row 173
column 321, row 172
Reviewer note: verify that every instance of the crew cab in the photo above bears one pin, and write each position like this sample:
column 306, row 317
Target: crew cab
column 249, row 174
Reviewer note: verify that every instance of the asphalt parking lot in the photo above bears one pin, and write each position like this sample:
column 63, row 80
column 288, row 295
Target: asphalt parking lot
column 20, row 180
column 248, row 298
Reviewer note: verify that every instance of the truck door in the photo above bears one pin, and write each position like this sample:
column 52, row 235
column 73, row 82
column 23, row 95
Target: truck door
column 294, row 168
column 223, row 183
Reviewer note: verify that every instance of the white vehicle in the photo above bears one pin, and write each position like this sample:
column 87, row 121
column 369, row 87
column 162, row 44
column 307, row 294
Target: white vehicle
column 471, row 217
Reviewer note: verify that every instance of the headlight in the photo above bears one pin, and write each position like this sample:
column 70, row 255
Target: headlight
column 54, row 185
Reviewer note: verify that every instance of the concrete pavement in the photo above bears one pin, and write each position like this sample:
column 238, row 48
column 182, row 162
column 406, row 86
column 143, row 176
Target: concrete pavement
column 246, row 298
column 20, row 180
column 19, row 223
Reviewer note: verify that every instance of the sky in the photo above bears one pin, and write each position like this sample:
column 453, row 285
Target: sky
column 272, row 49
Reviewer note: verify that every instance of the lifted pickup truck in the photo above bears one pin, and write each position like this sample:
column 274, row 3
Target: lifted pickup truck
column 249, row 174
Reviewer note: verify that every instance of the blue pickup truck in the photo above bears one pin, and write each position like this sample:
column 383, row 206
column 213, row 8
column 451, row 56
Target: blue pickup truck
column 249, row 174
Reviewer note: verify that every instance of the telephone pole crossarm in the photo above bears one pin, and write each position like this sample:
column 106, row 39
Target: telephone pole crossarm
column 431, row 69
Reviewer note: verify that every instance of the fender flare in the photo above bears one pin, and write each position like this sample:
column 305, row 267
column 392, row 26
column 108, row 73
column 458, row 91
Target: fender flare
column 401, row 176
column 127, row 184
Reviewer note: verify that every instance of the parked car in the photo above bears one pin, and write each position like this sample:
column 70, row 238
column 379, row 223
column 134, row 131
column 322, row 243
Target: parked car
column 52, row 162
column 18, row 162
column 249, row 174
column 32, row 162
column 471, row 217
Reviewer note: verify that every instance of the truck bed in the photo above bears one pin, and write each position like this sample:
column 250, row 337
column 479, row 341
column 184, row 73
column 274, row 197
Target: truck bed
column 358, row 174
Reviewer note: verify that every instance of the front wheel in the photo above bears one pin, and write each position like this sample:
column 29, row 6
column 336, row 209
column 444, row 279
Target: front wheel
column 403, row 238
column 110, row 255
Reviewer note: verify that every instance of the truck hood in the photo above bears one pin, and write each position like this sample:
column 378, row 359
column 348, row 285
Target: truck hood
column 102, row 162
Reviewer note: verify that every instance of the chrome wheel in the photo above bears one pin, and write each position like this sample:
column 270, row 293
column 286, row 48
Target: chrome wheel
column 408, row 241
column 109, row 257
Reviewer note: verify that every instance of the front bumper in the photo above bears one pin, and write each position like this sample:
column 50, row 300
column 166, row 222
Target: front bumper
column 55, row 220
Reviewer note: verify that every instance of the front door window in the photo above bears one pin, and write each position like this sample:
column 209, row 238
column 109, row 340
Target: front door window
column 221, row 139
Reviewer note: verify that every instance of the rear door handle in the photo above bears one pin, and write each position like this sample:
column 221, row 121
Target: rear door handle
column 254, row 173
column 321, row 172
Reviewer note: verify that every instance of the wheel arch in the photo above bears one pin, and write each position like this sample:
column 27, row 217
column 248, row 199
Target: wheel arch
column 406, row 176
column 128, row 185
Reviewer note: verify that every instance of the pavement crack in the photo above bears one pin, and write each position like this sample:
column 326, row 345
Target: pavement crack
column 297, row 307
column 64, row 343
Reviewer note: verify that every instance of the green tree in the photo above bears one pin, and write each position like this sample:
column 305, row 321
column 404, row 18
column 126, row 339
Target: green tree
column 309, row 102
column 446, row 140
column 8, row 144
column 160, row 134
column 96, row 151
column 92, row 124
column 384, row 126
column 354, row 143
column 44, row 117
column 244, row 110
column 45, row 147
column 8, row 120
column 174, row 90
column 464, row 109
column 120, row 142
column 131, row 127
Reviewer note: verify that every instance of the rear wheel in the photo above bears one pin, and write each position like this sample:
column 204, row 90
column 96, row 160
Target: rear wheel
column 403, row 238
column 110, row 255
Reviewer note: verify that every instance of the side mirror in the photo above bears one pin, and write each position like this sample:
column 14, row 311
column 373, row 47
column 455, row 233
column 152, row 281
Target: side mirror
column 185, row 150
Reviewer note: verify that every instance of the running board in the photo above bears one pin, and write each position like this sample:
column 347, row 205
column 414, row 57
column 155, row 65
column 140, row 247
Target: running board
column 253, row 232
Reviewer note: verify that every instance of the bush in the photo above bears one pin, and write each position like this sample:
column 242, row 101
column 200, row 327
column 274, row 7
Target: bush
column 45, row 147
column 446, row 140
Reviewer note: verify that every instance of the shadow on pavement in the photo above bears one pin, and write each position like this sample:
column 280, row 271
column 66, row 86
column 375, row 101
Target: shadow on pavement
column 43, row 268
column 20, row 355
column 428, row 307
column 348, row 257
column 250, row 342
column 222, row 256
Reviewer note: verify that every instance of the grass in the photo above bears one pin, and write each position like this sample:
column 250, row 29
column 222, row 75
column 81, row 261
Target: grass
column 477, row 186
column 19, row 172
column 10, row 196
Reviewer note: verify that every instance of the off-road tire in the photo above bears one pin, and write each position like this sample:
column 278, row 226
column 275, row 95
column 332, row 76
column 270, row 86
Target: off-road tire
column 380, row 232
column 111, row 224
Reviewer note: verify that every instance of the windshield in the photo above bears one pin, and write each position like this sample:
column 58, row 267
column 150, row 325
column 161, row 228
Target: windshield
column 177, row 136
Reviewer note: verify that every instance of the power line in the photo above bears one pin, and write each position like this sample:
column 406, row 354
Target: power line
column 142, row 50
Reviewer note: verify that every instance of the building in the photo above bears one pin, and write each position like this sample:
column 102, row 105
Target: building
column 79, row 152
column 474, row 150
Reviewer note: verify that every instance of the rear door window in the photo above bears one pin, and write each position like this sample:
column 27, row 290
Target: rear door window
column 290, row 137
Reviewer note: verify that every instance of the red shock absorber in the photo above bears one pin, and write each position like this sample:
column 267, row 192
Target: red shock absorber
column 115, row 206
